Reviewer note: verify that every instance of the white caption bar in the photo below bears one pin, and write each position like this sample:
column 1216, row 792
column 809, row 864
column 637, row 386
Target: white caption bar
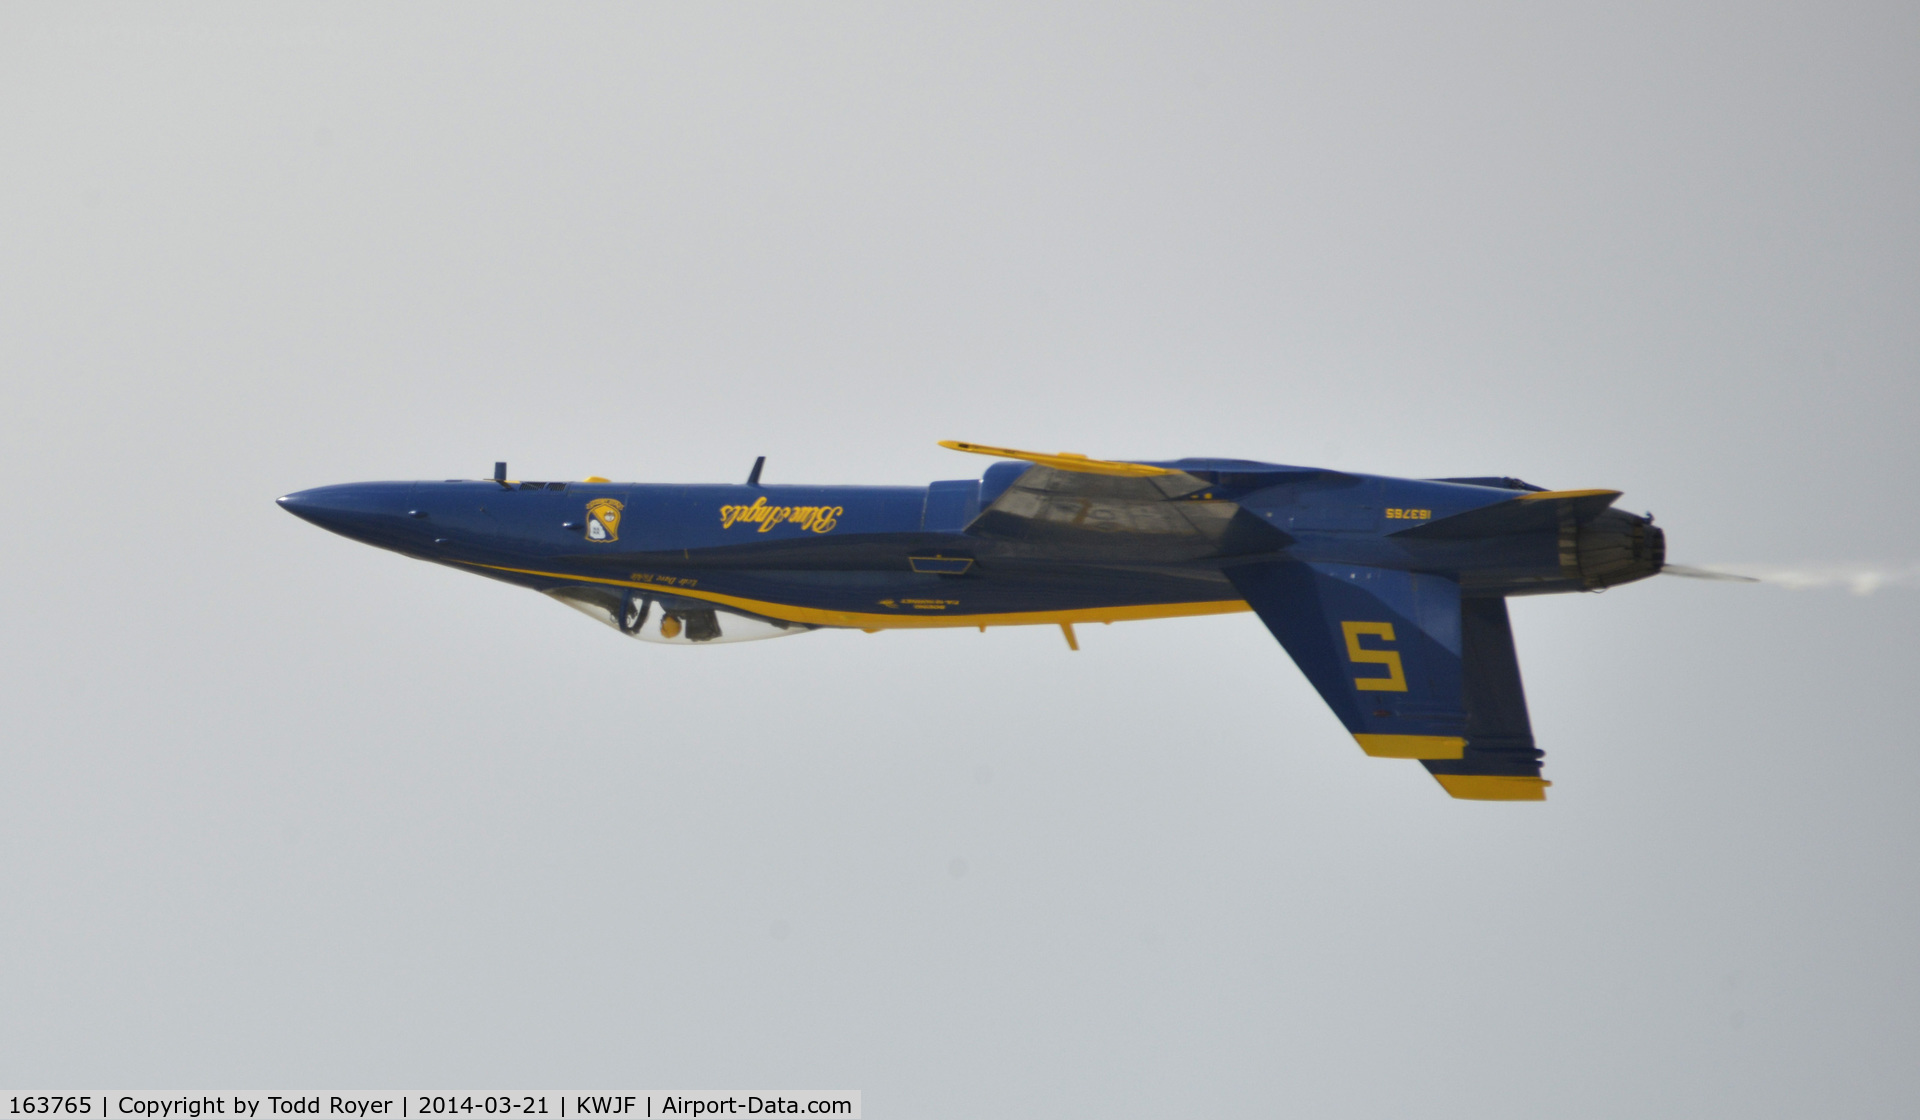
column 423, row 1106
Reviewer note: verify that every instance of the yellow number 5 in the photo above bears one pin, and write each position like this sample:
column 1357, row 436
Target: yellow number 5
column 1396, row 678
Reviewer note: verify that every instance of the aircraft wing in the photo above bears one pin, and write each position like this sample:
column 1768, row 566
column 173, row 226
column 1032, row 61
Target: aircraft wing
column 1080, row 508
column 1411, row 668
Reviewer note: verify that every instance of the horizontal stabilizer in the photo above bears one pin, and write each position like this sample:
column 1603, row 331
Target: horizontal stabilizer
column 1537, row 512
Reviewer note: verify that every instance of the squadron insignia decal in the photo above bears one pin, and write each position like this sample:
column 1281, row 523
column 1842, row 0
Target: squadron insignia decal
column 603, row 519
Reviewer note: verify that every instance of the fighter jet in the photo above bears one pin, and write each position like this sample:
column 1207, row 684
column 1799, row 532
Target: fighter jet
column 1389, row 593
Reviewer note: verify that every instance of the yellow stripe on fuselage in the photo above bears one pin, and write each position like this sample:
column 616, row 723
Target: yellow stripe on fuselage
column 862, row 620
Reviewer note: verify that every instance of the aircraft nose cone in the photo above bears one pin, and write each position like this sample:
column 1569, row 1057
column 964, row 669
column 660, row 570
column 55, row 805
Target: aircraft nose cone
column 300, row 504
column 327, row 506
column 367, row 511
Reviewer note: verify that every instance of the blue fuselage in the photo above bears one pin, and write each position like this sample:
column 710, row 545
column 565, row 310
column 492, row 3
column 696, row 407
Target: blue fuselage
column 877, row 557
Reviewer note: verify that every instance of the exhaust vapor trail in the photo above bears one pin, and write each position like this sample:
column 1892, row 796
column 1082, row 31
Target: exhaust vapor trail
column 1860, row 579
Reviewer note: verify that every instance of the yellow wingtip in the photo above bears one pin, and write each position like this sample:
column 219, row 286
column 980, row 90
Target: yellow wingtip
column 1063, row 461
column 1494, row 787
column 1412, row 746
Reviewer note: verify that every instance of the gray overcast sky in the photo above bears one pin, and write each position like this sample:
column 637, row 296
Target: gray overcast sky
column 281, row 810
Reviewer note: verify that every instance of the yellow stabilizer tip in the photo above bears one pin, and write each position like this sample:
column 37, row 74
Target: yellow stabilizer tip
column 1543, row 495
column 1065, row 461
column 1493, row 787
column 1412, row 746
column 595, row 478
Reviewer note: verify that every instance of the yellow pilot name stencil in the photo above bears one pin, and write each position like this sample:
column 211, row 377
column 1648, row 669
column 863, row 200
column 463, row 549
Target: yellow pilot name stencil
column 603, row 519
column 814, row 519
